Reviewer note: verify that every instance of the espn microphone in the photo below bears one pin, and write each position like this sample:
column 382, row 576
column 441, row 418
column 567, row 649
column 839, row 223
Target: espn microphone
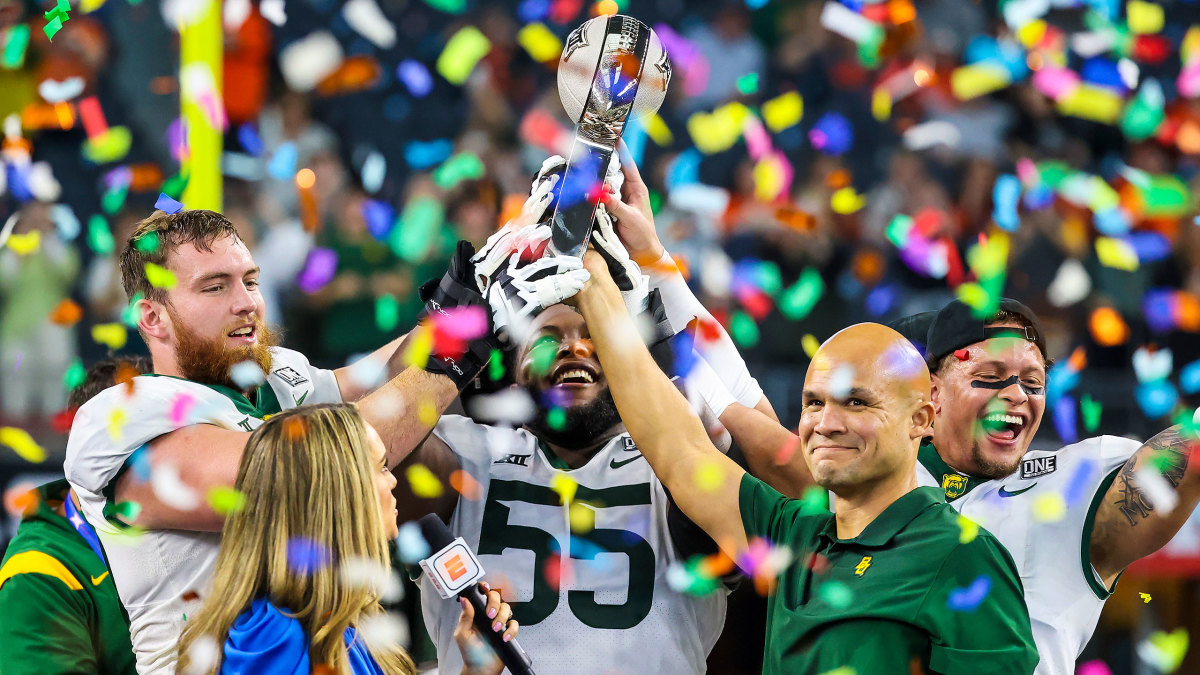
column 454, row 570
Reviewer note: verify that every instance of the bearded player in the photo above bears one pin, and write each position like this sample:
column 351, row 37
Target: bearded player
column 564, row 512
column 1073, row 519
column 153, row 459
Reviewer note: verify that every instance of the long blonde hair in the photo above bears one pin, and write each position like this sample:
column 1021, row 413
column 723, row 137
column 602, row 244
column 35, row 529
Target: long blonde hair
column 305, row 473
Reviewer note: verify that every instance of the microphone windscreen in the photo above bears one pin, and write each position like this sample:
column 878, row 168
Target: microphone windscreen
column 435, row 532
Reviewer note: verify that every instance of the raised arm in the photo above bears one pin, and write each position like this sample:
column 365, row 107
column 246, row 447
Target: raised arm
column 771, row 451
column 704, row 482
column 1129, row 525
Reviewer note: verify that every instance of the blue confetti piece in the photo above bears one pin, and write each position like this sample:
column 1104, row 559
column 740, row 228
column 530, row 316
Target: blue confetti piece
column 305, row 556
column 1060, row 380
column 533, row 10
column 1103, row 72
column 424, row 154
column 969, row 598
column 66, row 222
column 832, row 134
column 247, row 135
column 1006, row 194
column 635, row 138
column 283, row 163
column 415, row 76
column 139, row 463
column 683, row 346
column 165, row 203
column 1158, row 308
column 1189, row 378
column 410, row 545
column 1038, row 197
column 1066, row 420
column 1149, row 246
column 1156, row 398
column 881, row 299
column 1113, row 222
column 1080, row 483
column 379, row 216
column 684, row 169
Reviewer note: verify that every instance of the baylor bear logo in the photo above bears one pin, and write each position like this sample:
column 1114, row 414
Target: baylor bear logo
column 954, row 484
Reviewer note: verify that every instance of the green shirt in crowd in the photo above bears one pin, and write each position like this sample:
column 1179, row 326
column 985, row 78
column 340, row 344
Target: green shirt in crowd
column 911, row 589
column 58, row 603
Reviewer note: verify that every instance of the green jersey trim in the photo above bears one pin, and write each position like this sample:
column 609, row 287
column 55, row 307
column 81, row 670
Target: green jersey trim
column 1085, row 544
column 265, row 401
column 954, row 483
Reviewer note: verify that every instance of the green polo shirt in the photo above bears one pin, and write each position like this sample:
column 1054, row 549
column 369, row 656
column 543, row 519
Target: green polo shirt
column 59, row 608
column 905, row 592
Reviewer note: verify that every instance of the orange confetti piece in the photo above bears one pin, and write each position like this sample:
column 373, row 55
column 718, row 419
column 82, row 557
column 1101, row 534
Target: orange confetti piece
column 465, row 485
column 787, row 451
column 66, row 313
column 1108, row 328
column 21, row 500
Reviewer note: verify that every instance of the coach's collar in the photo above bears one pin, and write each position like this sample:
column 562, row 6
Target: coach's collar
column 955, row 483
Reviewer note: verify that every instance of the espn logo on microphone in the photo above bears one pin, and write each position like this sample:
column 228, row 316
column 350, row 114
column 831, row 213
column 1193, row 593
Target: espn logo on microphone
column 453, row 568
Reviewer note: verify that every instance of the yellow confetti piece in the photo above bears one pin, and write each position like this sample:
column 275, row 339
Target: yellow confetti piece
column 111, row 335
column 159, row 276
column 420, row 346
column 427, row 412
column 1190, row 46
column 657, row 130
column 116, row 422
column 422, row 481
column 846, row 201
column 1145, row 597
column 768, row 178
column 89, row 6
column 1116, row 253
column 110, row 146
column 719, row 130
column 1031, row 33
column 881, row 105
column 1049, row 508
column 24, row 244
column 582, row 517
column 225, row 500
column 783, row 111
column 844, row 670
column 977, row 79
column 1094, row 103
column 540, row 42
column 709, row 476
column 1144, row 18
column 810, row 344
column 22, row 444
column 565, row 487
column 463, row 50
column 970, row 530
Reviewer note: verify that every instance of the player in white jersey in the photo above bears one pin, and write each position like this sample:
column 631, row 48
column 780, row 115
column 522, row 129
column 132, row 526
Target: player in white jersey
column 1074, row 518
column 151, row 453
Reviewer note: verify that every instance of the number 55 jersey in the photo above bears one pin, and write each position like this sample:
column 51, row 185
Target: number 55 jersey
column 581, row 556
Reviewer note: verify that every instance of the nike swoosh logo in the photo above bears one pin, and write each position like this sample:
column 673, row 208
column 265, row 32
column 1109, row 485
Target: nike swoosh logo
column 96, row 581
column 616, row 465
column 1006, row 493
column 300, row 401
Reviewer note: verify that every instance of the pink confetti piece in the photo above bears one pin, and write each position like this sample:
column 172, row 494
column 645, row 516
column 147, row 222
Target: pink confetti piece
column 179, row 409
column 462, row 323
column 1055, row 82
column 1096, row 667
column 318, row 270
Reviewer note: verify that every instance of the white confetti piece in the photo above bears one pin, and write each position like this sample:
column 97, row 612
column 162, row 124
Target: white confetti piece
column 247, row 374
column 383, row 632
column 170, row 489
column 366, row 573
column 1157, row 491
column 309, row 60
column 365, row 17
column 510, row 405
column 1071, row 284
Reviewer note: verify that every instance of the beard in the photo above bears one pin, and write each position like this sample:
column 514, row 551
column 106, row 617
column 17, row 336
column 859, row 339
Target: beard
column 208, row 361
column 585, row 423
column 990, row 469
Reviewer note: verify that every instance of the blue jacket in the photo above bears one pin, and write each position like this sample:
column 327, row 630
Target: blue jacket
column 265, row 641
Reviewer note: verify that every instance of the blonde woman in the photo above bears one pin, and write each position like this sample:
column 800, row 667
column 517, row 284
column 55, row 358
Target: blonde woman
column 318, row 493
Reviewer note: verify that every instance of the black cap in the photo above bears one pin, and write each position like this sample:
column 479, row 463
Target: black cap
column 915, row 327
column 957, row 326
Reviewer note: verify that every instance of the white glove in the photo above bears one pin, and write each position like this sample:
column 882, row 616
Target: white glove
column 515, row 234
column 624, row 271
column 522, row 291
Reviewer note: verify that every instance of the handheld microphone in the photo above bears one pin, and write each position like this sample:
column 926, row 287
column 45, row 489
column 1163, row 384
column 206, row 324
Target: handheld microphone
column 455, row 571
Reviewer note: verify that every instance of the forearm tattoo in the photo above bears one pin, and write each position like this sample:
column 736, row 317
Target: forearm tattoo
column 1168, row 453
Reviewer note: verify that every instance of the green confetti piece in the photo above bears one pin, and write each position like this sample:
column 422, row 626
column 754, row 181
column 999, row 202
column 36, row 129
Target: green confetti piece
column 814, row 500
column 836, row 594
column 52, row 27
column 416, row 228
column 1166, row 195
column 448, row 6
column 800, row 298
column 768, row 279
column 226, row 500
column 126, row 511
column 114, row 199
column 99, row 238
column 743, row 329
column 656, row 201
column 1141, row 119
column 899, row 229
column 496, row 365
column 147, row 243
column 1091, row 412
column 173, row 187
column 75, row 374
column 541, row 355
column 387, row 312
column 15, row 47
column 556, row 419
column 748, row 84
column 131, row 314
column 460, row 167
